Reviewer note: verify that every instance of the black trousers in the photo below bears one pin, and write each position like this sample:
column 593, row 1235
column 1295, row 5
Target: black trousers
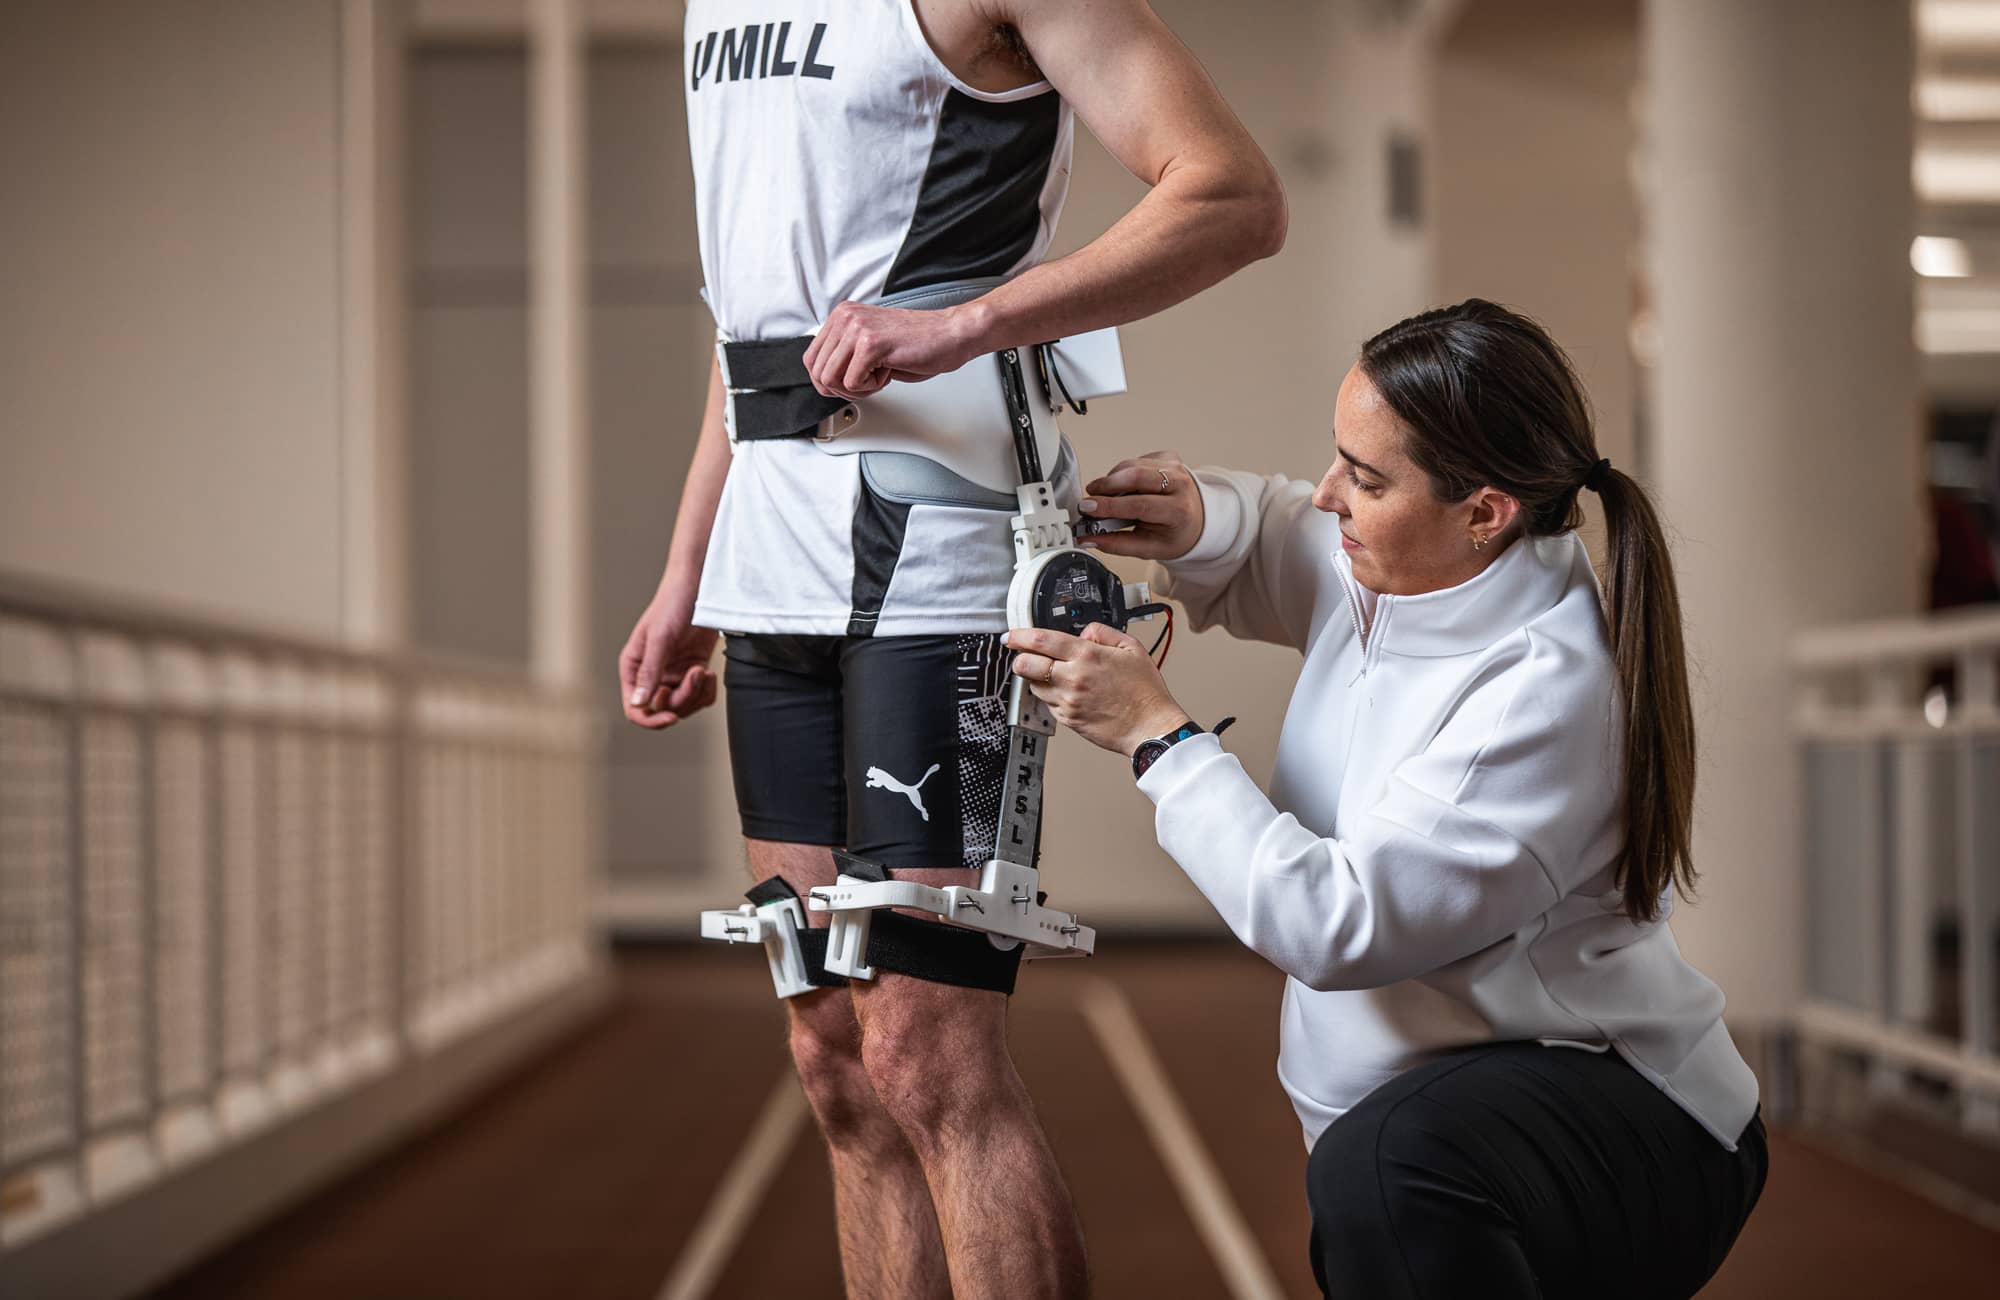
column 1521, row 1170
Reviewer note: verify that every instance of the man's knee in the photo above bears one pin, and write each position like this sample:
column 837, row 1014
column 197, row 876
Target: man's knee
column 826, row 1050
column 934, row 1053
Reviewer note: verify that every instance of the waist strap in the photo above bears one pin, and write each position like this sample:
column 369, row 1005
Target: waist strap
column 770, row 394
column 990, row 423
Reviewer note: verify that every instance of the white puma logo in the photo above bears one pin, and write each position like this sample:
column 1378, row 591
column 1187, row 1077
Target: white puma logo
column 880, row 780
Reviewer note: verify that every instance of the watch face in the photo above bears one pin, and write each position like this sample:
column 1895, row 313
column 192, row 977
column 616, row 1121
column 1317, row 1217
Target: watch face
column 1144, row 757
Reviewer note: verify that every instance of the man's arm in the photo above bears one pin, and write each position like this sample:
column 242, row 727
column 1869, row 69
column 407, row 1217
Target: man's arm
column 1215, row 202
column 663, row 669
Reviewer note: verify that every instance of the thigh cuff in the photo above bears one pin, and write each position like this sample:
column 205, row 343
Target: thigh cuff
column 812, row 943
column 812, row 946
column 940, row 953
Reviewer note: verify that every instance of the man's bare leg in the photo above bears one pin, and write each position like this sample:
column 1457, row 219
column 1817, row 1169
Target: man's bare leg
column 937, row 1055
column 889, row 1242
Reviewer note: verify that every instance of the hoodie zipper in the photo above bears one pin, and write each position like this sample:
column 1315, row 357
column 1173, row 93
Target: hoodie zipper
column 1361, row 632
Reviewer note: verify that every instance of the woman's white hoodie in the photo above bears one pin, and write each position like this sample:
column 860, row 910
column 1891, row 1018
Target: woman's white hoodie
column 1432, row 865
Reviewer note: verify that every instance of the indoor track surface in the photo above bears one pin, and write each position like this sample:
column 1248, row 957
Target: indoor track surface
column 665, row 1154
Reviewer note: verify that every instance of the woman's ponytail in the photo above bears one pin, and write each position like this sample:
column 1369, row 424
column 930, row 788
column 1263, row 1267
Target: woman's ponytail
column 1642, row 611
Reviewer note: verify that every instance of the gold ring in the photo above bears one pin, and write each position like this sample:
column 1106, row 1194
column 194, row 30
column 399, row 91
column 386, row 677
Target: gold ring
column 1165, row 485
column 1049, row 677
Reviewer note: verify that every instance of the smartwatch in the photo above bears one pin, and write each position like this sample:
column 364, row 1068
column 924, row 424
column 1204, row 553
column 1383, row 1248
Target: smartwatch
column 1149, row 751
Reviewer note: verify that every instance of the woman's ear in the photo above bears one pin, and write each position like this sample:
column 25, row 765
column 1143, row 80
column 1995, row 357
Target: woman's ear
column 1493, row 511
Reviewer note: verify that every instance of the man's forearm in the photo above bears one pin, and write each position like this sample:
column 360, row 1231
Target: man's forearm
column 1190, row 232
column 700, row 496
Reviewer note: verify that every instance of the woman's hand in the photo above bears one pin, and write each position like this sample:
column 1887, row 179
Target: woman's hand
column 1157, row 490
column 1101, row 685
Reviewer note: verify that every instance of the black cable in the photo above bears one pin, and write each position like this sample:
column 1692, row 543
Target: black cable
column 1166, row 636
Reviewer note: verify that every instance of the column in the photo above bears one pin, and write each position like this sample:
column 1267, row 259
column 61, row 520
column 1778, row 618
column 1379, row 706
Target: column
column 1786, row 447
column 374, row 499
column 559, row 421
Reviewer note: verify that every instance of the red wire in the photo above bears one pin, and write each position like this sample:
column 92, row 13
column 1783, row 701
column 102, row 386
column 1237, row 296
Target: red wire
column 1166, row 641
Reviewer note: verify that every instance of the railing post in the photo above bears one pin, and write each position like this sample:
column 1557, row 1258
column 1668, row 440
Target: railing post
column 76, row 931
column 149, row 917
column 1978, row 867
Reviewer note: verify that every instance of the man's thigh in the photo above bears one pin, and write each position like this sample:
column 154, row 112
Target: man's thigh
column 892, row 747
column 912, row 731
column 802, row 866
column 924, row 737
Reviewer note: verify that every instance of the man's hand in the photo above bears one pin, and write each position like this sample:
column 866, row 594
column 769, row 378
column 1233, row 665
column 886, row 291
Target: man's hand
column 861, row 348
column 1101, row 685
column 663, row 671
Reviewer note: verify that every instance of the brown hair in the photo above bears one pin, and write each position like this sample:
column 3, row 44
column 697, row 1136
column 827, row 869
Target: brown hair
column 1490, row 399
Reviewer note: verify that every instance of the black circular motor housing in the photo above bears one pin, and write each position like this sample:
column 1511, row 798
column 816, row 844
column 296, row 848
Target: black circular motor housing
column 1075, row 590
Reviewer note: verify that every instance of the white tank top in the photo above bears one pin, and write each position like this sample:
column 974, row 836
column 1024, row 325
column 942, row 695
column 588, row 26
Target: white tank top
column 836, row 158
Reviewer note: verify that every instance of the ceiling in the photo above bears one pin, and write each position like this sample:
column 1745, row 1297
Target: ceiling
column 1957, row 174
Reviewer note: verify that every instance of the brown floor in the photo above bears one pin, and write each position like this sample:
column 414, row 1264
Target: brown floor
column 584, row 1176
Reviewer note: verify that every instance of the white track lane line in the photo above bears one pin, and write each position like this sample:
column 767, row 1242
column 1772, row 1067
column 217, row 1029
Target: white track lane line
column 1216, row 1217
column 741, row 1192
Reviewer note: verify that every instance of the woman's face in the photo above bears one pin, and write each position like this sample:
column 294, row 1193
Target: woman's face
column 1401, row 540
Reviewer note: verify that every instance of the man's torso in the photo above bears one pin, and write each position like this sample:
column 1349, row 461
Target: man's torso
column 836, row 158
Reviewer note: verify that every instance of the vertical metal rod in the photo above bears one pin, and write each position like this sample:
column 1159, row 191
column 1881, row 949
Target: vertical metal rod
column 315, row 995
column 1912, row 871
column 214, row 859
column 405, row 905
column 1979, row 908
column 267, row 964
column 148, row 992
column 72, row 709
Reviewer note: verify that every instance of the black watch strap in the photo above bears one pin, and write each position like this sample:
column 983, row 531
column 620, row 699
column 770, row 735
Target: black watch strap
column 1149, row 751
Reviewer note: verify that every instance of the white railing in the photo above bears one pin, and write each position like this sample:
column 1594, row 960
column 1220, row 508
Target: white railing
column 1899, row 722
column 242, row 875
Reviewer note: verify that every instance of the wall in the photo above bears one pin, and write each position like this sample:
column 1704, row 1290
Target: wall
column 1532, row 181
column 468, row 361
column 169, row 311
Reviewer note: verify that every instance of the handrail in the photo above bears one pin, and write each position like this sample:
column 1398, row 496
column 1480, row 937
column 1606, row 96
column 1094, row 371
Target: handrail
column 1898, row 726
column 94, row 607
column 248, row 870
column 1926, row 636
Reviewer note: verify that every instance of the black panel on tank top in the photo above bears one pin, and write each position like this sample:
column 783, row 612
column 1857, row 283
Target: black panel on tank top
column 980, row 205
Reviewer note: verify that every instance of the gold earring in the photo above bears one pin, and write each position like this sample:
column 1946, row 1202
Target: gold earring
column 1478, row 543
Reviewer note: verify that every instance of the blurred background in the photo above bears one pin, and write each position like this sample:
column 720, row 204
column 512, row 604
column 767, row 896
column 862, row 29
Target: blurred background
column 352, row 358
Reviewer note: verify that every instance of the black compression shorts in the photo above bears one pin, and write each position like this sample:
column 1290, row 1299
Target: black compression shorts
column 893, row 748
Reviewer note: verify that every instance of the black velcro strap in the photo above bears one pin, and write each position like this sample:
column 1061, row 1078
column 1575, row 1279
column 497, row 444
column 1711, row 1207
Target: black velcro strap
column 775, row 889
column 771, row 394
column 812, row 946
column 776, row 363
column 940, row 953
column 859, row 868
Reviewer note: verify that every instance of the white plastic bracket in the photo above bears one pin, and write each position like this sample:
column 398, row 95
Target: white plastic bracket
column 776, row 925
column 1002, row 907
